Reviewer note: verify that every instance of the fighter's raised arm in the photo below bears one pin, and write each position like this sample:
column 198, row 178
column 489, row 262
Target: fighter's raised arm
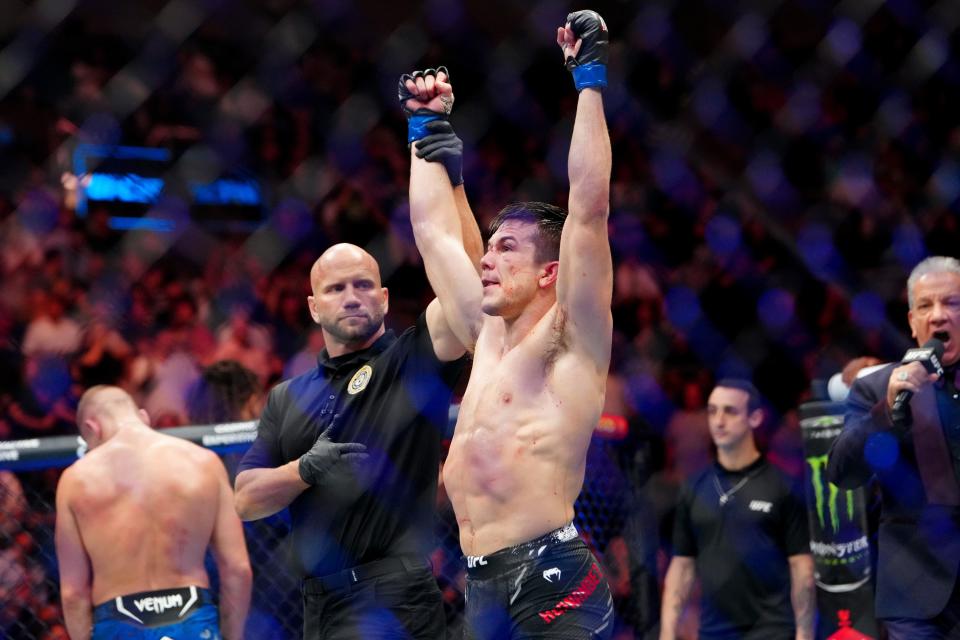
column 442, row 145
column 446, row 233
column 585, row 281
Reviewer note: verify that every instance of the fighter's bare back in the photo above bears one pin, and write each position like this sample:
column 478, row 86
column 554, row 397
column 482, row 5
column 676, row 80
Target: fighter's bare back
column 146, row 505
column 516, row 462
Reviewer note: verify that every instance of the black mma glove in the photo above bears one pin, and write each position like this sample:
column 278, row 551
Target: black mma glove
column 416, row 120
column 325, row 454
column 589, row 67
column 444, row 146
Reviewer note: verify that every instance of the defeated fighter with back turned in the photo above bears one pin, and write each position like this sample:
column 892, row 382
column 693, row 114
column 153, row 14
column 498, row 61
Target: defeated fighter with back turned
column 135, row 516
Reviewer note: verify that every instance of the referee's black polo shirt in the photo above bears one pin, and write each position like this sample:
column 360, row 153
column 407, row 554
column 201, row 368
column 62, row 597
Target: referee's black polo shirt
column 393, row 397
column 742, row 549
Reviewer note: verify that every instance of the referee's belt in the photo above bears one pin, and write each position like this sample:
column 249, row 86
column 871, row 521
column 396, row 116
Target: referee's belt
column 348, row 577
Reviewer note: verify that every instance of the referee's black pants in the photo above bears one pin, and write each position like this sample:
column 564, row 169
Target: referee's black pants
column 393, row 599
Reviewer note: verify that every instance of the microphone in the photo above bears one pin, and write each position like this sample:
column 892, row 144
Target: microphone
column 929, row 356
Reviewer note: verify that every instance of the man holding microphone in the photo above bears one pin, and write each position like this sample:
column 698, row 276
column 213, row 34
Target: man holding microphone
column 903, row 427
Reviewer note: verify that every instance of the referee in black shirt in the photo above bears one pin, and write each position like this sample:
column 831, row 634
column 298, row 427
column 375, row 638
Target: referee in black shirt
column 353, row 447
column 741, row 526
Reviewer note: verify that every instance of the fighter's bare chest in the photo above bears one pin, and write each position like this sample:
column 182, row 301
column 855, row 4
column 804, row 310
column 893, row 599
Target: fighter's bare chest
column 506, row 379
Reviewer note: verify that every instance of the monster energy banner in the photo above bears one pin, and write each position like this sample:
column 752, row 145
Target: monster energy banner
column 838, row 532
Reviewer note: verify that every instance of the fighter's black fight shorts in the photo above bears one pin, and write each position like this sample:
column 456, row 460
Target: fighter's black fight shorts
column 551, row 587
column 179, row 614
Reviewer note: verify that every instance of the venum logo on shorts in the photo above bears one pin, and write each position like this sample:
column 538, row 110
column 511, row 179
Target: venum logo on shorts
column 577, row 597
column 158, row 604
column 551, row 574
column 475, row 561
column 360, row 380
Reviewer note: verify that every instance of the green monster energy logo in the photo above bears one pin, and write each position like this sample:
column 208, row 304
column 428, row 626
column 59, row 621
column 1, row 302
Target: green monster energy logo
column 817, row 466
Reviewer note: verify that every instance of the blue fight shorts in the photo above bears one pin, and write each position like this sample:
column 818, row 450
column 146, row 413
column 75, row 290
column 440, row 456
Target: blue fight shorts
column 187, row 613
column 551, row 587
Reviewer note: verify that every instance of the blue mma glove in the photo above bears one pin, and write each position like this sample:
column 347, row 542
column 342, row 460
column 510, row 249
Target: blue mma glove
column 417, row 120
column 589, row 67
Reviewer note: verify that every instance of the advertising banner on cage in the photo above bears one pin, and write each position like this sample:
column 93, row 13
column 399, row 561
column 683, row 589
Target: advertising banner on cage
column 62, row 451
column 839, row 538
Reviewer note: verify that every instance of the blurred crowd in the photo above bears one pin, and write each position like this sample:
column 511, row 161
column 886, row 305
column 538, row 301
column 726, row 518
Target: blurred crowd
column 776, row 175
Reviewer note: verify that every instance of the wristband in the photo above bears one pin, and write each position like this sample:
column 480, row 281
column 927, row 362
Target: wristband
column 589, row 75
column 416, row 125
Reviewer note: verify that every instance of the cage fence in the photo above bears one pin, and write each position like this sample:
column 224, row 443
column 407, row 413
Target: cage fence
column 29, row 591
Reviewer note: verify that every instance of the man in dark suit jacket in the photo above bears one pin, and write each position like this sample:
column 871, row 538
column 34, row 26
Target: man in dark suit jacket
column 916, row 460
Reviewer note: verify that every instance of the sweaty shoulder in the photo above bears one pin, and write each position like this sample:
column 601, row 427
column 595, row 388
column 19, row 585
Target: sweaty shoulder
column 190, row 450
column 92, row 462
column 68, row 479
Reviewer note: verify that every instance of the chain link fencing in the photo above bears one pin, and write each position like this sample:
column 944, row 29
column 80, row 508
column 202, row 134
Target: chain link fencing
column 29, row 592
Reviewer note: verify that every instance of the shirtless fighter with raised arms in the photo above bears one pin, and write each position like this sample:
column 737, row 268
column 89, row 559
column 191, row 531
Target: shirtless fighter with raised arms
column 134, row 519
column 539, row 324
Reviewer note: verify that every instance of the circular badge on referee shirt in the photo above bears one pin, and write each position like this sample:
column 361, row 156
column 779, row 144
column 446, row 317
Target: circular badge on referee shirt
column 360, row 380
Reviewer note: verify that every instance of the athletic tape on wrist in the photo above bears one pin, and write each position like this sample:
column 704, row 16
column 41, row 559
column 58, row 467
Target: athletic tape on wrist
column 417, row 125
column 589, row 75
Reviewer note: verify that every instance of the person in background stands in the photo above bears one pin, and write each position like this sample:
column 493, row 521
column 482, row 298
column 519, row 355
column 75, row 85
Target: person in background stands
column 741, row 526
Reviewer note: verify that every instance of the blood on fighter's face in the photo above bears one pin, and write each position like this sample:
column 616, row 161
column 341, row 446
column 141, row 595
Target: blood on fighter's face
column 509, row 270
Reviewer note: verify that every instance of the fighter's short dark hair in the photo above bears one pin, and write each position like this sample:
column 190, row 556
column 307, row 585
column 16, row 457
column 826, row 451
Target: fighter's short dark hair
column 548, row 218
column 754, row 400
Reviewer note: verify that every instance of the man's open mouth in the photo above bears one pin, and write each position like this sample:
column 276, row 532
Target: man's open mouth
column 942, row 336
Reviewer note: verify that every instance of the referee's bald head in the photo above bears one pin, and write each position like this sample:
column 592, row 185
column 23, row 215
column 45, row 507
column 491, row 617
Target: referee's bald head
column 343, row 256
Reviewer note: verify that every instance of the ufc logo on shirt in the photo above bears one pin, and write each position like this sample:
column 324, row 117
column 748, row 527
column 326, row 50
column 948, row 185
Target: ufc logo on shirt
column 761, row 506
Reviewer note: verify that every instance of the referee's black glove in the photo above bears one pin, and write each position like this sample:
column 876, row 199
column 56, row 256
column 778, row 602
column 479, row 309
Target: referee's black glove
column 443, row 146
column 325, row 454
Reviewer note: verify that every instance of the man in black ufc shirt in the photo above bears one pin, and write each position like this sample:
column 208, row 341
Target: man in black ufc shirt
column 742, row 528
column 353, row 448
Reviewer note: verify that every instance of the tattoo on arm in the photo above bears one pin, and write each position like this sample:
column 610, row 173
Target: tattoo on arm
column 802, row 594
column 677, row 586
